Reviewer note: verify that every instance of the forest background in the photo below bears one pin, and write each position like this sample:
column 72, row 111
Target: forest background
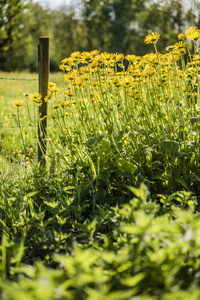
column 107, row 25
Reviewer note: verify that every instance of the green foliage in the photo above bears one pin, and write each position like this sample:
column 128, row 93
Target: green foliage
column 136, row 250
column 11, row 14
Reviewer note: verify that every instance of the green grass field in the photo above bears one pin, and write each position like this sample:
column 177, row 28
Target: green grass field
column 14, row 86
column 115, row 213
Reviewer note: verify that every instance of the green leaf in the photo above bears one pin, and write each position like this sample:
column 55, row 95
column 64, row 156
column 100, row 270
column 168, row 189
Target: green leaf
column 181, row 154
column 142, row 192
column 5, row 226
column 130, row 229
column 194, row 120
column 194, row 178
column 126, row 166
column 133, row 281
column 100, row 137
column 105, row 145
column 182, row 182
column 171, row 147
column 156, row 164
column 121, row 66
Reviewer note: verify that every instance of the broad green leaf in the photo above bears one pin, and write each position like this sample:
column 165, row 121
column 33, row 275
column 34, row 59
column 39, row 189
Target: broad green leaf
column 133, row 281
column 125, row 165
column 194, row 120
column 105, row 145
column 182, row 182
column 171, row 147
column 100, row 137
column 142, row 192
column 130, row 229
column 194, row 178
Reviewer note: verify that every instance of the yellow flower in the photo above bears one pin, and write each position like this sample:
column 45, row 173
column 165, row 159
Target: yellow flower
column 55, row 106
column 196, row 58
column 45, row 117
column 18, row 103
column 36, row 97
column 192, row 33
column 85, row 57
column 51, row 84
column 150, row 71
column 65, row 68
column 131, row 58
column 71, row 61
column 67, row 103
column 181, row 36
column 180, row 47
column 152, row 58
column 106, row 56
column 79, row 81
column 116, row 81
column 118, row 57
column 52, row 88
column 48, row 97
column 152, row 38
column 127, row 81
column 70, row 76
column 67, row 114
column 75, row 54
column 94, row 53
column 69, row 94
column 94, row 64
column 60, row 102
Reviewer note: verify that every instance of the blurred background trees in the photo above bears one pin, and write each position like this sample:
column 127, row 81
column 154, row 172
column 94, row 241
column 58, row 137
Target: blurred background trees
column 106, row 25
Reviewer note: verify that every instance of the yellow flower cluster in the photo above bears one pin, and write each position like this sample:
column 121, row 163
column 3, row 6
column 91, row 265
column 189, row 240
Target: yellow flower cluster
column 37, row 98
column 104, row 79
column 52, row 88
column 192, row 33
column 94, row 58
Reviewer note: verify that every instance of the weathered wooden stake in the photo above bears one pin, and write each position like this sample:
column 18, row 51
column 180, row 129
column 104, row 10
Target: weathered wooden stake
column 43, row 73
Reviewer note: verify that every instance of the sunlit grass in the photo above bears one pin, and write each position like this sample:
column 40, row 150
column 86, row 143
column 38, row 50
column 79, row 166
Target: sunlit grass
column 15, row 87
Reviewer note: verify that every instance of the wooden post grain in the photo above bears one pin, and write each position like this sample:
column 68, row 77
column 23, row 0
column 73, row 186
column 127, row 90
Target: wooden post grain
column 43, row 73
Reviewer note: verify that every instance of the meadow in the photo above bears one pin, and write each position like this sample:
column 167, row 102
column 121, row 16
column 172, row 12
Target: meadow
column 115, row 212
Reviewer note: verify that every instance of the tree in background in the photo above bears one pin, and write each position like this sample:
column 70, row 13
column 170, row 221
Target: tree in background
column 166, row 17
column 68, row 35
column 111, row 23
column 124, row 24
column 193, row 13
column 121, row 25
column 11, row 37
column 106, row 25
column 37, row 22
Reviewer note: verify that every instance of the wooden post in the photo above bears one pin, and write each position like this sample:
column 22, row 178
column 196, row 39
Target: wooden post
column 43, row 73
